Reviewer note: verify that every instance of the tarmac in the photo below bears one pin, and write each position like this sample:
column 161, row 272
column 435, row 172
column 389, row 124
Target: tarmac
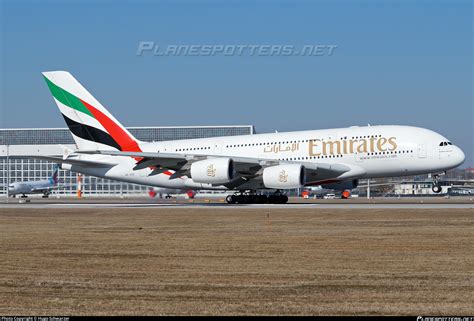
column 226, row 206
column 294, row 203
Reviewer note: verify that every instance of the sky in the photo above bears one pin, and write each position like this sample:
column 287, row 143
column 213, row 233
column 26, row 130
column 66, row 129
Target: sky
column 394, row 62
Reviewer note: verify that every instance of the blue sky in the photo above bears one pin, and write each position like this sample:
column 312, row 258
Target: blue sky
column 396, row 62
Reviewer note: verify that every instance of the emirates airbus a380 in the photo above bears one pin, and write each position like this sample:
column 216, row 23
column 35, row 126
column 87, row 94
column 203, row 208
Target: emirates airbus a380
column 333, row 158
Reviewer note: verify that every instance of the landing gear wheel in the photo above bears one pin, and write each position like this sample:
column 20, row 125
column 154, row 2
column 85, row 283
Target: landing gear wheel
column 252, row 198
column 278, row 199
column 262, row 199
column 273, row 199
column 436, row 188
column 230, row 199
column 239, row 199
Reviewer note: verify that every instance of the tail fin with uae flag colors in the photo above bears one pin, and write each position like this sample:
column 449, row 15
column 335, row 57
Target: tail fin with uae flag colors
column 91, row 125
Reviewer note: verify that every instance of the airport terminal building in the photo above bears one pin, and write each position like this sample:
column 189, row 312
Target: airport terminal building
column 15, row 144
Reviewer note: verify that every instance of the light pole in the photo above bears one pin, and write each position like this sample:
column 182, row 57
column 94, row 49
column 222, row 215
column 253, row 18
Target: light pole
column 8, row 172
column 368, row 188
column 7, row 168
column 4, row 140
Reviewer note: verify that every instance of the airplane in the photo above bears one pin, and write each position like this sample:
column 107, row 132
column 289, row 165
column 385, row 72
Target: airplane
column 35, row 187
column 249, row 164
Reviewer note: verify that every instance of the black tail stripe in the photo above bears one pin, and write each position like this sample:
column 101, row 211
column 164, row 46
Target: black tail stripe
column 90, row 133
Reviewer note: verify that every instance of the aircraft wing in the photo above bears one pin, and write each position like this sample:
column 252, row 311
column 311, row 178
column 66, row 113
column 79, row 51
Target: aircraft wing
column 172, row 161
column 72, row 161
column 247, row 168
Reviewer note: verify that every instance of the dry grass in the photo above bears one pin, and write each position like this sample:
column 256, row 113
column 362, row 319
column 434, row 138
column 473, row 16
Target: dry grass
column 236, row 261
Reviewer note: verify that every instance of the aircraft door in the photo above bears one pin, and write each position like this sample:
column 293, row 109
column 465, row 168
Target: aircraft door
column 421, row 151
column 167, row 148
column 218, row 147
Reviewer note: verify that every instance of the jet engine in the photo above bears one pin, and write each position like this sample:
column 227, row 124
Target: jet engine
column 284, row 176
column 342, row 186
column 213, row 171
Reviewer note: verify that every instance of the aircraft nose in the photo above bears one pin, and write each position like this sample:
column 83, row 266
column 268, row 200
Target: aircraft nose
column 458, row 156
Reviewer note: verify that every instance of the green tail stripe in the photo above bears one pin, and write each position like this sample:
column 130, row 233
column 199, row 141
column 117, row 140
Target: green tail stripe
column 67, row 98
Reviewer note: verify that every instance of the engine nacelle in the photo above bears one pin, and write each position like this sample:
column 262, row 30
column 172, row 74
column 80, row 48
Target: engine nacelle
column 284, row 176
column 342, row 186
column 213, row 171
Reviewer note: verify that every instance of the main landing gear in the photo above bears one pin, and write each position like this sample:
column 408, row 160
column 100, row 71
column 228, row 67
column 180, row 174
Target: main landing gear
column 436, row 186
column 46, row 194
column 252, row 198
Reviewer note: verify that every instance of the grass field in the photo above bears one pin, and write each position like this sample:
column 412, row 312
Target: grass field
column 236, row 261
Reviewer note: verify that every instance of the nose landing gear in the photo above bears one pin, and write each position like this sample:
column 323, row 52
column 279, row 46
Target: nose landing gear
column 436, row 188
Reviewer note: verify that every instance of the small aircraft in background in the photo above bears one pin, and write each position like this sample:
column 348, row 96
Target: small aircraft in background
column 44, row 186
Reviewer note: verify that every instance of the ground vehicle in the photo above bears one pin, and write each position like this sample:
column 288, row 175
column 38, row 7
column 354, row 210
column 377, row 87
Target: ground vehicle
column 329, row 196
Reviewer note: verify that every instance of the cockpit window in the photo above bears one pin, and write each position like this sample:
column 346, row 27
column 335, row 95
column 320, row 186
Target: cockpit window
column 449, row 143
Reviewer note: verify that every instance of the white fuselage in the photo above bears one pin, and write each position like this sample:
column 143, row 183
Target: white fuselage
column 370, row 151
column 30, row 187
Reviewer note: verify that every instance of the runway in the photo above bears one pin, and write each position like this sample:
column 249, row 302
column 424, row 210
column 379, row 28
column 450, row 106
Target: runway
column 219, row 203
column 223, row 206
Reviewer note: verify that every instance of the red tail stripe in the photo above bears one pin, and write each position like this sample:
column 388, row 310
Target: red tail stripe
column 126, row 142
